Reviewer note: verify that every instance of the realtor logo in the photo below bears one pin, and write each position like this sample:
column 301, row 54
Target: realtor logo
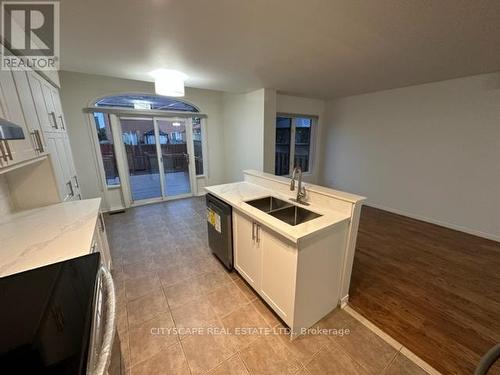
column 30, row 32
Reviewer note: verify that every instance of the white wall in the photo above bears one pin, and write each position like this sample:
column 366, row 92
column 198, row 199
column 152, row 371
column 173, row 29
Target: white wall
column 287, row 104
column 243, row 118
column 78, row 90
column 270, row 98
column 430, row 151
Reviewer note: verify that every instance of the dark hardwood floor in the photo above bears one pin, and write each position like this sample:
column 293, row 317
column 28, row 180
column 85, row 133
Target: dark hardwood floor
column 435, row 290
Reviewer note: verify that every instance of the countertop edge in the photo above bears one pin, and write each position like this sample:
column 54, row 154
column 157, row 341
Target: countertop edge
column 288, row 236
column 329, row 192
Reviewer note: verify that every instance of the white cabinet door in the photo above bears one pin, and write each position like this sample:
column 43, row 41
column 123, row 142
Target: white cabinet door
column 279, row 267
column 53, row 141
column 247, row 250
column 62, row 162
column 19, row 149
column 44, row 105
column 29, row 110
column 70, row 166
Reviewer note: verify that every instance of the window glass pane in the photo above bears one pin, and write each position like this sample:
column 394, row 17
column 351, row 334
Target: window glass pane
column 198, row 146
column 142, row 101
column 302, row 143
column 107, row 148
column 282, row 157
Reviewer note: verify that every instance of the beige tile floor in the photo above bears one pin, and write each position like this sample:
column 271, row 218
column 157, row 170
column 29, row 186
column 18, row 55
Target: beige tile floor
column 179, row 310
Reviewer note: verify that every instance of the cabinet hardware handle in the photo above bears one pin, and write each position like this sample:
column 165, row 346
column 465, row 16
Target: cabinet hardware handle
column 39, row 140
column 253, row 231
column 35, row 141
column 76, row 181
column 7, row 147
column 62, row 122
column 53, row 114
column 258, row 234
column 70, row 188
column 4, row 155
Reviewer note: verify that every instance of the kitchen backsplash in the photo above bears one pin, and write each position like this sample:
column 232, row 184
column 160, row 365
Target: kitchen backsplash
column 5, row 206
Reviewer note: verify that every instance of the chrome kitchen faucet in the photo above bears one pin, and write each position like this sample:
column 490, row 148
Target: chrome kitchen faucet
column 301, row 190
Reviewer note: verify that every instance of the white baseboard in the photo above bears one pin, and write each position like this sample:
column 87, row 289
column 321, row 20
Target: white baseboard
column 114, row 209
column 459, row 228
column 344, row 301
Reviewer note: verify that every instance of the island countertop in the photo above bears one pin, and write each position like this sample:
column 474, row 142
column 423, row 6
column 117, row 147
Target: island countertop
column 46, row 235
column 238, row 193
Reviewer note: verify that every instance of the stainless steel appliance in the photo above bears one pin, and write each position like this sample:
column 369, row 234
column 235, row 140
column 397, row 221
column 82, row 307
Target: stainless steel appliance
column 48, row 319
column 220, row 229
column 9, row 130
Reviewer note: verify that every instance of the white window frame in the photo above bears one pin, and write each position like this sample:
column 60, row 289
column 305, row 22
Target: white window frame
column 312, row 141
column 204, row 148
column 98, row 155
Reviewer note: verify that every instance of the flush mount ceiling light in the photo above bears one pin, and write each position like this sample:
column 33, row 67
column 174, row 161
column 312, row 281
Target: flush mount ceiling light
column 176, row 124
column 169, row 82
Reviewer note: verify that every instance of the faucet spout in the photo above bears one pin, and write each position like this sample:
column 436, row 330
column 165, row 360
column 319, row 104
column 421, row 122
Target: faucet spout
column 301, row 191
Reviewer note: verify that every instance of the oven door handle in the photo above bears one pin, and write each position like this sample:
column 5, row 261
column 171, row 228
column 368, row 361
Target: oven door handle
column 104, row 353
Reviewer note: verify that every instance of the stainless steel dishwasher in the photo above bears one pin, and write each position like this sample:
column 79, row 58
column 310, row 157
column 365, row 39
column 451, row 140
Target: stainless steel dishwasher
column 220, row 229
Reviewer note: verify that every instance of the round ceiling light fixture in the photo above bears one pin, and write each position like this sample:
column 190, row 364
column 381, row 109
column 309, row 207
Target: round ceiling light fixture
column 169, row 82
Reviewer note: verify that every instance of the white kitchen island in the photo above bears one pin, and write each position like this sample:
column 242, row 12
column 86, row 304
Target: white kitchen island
column 302, row 271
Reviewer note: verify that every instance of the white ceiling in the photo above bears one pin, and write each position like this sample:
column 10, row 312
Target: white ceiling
column 318, row 48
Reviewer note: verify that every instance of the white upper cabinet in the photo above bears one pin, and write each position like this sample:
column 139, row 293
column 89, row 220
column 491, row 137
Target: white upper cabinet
column 49, row 110
column 44, row 104
column 14, row 151
column 29, row 110
column 31, row 102
column 62, row 162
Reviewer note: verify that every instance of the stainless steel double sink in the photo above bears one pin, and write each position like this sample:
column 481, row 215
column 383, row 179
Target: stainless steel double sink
column 283, row 210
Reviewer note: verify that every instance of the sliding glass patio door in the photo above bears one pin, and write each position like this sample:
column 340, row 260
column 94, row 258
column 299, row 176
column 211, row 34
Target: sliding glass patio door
column 139, row 140
column 175, row 149
column 160, row 157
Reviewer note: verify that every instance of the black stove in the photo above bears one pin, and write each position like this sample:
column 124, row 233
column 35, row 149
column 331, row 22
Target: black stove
column 46, row 318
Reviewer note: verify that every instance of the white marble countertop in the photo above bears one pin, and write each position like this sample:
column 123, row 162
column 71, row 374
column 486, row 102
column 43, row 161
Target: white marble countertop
column 46, row 235
column 236, row 194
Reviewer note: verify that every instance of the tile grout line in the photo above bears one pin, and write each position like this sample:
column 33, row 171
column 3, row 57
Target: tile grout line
column 400, row 348
column 149, row 320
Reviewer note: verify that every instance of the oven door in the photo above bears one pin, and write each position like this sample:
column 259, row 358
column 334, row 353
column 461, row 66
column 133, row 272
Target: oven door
column 104, row 348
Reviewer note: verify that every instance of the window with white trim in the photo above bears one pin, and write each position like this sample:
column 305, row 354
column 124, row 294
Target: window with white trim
column 294, row 140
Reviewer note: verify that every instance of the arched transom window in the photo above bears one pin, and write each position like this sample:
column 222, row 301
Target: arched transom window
column 146, row 101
